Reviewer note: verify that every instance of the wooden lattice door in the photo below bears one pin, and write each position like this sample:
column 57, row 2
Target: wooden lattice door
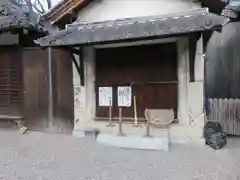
column 10, row 81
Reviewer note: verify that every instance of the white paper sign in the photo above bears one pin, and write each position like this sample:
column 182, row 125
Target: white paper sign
column 105, row 96
column 124, row 96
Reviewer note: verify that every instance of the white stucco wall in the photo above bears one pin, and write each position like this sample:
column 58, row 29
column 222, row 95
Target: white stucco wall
column 190, row 93
column 103, row 10
column 84, row 96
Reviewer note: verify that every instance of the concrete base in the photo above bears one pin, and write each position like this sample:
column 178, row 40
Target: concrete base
column 134, row 142
column 89, row 133
column 186, row 135
column 176, row 133
column 78, row 133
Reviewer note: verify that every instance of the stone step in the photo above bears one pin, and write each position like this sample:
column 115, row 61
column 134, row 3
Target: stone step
column 135, row 142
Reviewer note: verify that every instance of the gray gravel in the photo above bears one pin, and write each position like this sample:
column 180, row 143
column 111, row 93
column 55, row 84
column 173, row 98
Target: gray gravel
column 39, row 156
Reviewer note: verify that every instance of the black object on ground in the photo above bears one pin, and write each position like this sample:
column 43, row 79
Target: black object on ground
column 214, row 135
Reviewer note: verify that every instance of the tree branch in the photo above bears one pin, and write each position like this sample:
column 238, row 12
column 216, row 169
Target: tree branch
column 39, row 6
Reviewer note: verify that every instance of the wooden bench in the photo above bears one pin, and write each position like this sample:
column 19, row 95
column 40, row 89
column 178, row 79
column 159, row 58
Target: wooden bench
column 18, row 120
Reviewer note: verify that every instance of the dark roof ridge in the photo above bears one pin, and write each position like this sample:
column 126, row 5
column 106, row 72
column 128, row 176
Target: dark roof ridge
column 133, row 28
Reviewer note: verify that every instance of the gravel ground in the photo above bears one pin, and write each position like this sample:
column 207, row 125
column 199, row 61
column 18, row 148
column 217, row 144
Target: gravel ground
column 39, row 156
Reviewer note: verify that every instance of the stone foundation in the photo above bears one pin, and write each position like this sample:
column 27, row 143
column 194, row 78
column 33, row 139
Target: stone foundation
column 177, row 133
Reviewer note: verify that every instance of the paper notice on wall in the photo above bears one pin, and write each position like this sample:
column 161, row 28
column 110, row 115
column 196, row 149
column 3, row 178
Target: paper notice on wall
column 105, row 96
column 124, row 96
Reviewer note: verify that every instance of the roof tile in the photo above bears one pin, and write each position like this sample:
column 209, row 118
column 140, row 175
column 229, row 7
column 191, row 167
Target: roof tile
column 134, row 28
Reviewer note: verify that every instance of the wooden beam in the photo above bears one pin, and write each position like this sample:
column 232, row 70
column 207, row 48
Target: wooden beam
column 81, row 63
column 75, row 51
column 79, row 67
column 50, row 93
column 76, row 64
column 192, row 54
column 66, row 9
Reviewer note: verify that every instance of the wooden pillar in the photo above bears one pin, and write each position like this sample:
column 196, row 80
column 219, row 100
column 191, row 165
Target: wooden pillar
column 50, row 94
column 183, row 80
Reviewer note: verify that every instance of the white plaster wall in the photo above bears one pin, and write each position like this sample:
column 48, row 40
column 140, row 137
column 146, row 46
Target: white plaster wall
column 199, row 61
column 84, row 96
column 183, row 80
column 79, row 96
column 89, row 60
column 103, row 10
column 190, row 94
column 196, row 89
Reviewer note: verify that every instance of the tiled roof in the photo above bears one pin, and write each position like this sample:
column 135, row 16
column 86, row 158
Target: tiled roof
column 13, row 16
column 134, row 28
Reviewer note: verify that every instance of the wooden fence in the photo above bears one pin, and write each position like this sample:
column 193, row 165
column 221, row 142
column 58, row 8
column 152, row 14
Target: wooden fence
column 227, row 112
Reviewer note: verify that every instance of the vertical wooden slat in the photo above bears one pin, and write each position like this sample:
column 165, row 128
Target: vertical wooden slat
column 215, row 109
column 238, row 116
column 153, row 78
column 36, row 84
column 211, row 110
column 50, row 93
column 220, row 113
column 234, row 116
column 227, row 113
column 10, row 81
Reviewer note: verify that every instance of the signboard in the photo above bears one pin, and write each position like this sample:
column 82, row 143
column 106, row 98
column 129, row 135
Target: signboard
column 105, row 96
column 124, row 96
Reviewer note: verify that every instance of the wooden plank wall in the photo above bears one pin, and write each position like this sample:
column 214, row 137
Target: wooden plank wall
column 35, row 79
column 227, row 113
column 150, row 70
column 63, row 100
column 11, row 101
column 36, row 83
